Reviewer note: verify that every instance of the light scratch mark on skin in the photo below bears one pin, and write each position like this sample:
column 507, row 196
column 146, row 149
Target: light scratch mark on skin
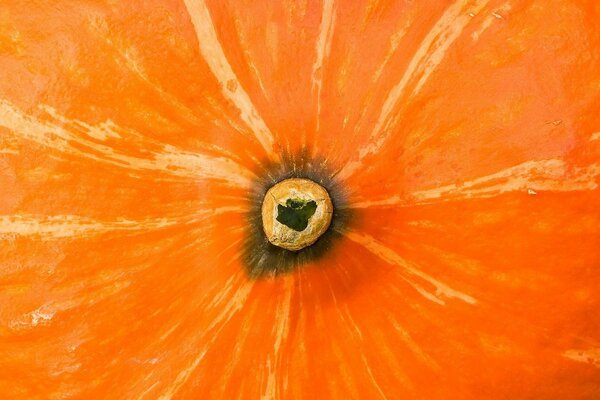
column 323, row 48
column 428, row 56
column 410, row 270
column 40, row 316
column 589, row 356
column 531, row 177
column 213, row 54
column 81, row 139
column 489, row 20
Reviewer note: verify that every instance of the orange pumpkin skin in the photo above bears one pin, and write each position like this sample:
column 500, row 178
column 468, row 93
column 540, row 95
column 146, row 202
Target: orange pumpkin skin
column 464, row 134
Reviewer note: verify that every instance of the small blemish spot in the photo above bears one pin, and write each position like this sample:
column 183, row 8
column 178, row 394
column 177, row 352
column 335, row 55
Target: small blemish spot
column 231, row 85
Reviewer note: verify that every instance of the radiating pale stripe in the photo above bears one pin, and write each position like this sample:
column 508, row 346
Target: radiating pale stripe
column 238, row 347
column 343, row 312
column 394, row 43
column 350, row 321
column 545, row 175
column 274, row 362
column 230, row 307
column 126, row 56
column 412, row 345
column 589, row 356
column 100, row 28
column 409, row 270
column 78, row 138
column 323, row 48
column 531, row 177
column 395, row 40
column 71, row 226
column 89, row 292
column 9, row 151
column 428, row 56
column 246, row 44
column 213, row 54
column 392, row 201
column 76, row 227
column 372, row 377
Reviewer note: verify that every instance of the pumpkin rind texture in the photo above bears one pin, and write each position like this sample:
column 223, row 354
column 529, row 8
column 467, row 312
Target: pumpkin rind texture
column 463, row 141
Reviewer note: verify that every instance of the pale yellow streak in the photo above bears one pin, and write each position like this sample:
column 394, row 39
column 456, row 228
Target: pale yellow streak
column 228, row 309
column 589, row 356
column 553, row 175
column 595, row 136
column 74, row 226
column 213, row 54
column 410, row 271
column 428, row 56
column 323, row 48
column 81, row 139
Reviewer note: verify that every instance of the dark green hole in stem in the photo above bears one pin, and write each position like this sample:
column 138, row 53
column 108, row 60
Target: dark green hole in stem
column 296, row 213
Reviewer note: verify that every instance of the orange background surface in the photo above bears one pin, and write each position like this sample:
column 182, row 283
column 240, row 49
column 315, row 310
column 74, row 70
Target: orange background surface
column 466, row 138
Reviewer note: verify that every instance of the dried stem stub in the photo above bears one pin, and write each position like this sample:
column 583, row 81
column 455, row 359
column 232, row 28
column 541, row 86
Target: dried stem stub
column 295, row 213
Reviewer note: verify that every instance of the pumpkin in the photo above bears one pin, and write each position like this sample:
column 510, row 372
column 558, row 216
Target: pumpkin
column 458, row 140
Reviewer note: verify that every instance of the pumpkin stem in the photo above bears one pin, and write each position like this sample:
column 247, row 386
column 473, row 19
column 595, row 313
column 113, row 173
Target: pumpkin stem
column 295, row 213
